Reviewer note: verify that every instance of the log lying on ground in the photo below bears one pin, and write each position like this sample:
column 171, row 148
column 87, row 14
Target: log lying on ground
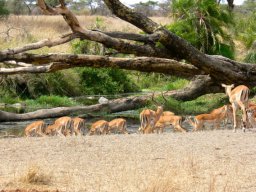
column 113, row 106
column 201, row 83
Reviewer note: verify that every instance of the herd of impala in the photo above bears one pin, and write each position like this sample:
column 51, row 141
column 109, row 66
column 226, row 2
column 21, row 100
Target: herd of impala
column 155, row 121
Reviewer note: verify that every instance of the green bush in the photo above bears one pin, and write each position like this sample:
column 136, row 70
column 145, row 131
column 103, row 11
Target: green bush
column 106, row 81
column 204, row 24
column 3, row 10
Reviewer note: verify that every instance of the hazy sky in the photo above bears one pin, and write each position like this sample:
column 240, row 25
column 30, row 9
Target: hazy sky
column 130, row 2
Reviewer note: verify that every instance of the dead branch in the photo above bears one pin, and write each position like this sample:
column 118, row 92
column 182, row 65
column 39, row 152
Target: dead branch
column 65, row 61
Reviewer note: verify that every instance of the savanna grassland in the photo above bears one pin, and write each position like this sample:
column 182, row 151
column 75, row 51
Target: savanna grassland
column 201, row 161
column 28, row 29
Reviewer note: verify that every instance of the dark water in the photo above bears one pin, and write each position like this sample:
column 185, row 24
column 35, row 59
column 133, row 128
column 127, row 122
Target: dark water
column 16, row 129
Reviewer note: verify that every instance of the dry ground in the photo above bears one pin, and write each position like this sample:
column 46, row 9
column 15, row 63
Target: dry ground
column 201, row 161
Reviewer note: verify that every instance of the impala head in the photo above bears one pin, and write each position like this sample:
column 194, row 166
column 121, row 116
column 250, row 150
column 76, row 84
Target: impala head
column 228, row 88
column 250, row 112
column 158, row 104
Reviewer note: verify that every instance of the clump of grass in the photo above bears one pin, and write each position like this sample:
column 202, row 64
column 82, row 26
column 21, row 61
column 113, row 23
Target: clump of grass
column 51, row 101
column 203, row 104
column 178, row 83
column 36, row 176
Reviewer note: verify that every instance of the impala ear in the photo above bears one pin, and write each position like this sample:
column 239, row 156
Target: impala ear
column 223, row 85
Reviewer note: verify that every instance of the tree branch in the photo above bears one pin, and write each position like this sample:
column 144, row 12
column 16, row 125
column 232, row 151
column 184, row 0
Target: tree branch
column 220, row 70
column 199, row 85
column 46, row 42
column 65, row 61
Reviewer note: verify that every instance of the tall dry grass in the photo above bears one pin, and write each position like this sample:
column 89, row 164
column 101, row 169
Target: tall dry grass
column 20, row 30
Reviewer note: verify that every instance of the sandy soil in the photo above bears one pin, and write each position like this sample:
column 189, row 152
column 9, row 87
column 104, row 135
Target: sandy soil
column 202, row 161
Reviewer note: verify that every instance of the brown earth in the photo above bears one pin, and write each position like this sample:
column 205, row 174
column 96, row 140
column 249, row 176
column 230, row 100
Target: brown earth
column 201, row 161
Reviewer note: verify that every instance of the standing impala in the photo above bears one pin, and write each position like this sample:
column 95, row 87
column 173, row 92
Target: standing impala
column 148, row 118
column 238, row 98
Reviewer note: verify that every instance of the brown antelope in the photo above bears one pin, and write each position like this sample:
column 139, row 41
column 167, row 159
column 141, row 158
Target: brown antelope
column 215, row 117
column 118, row 125
column 66, row 125
column 100, row 127
column 54, row 129
column 168, row 113
column 227, row 117
column 79, row 126
column 166, row 120
column 238, row 97
column 149, row 117
column 251, row 114
column 36, row 128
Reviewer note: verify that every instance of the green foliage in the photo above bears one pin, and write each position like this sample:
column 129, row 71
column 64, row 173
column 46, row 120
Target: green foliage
column 106, row 81
column 246, row 28
column 51, row 101
column 203, row 24
column 176, row 83
column 159, row 82
column 63, row 83
column 203, row 104
column 101, row 81
column 3, row 10
column 52, row 2
column 251, row 57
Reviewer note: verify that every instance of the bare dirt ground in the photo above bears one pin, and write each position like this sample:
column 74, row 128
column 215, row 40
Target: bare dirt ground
column 202, row 161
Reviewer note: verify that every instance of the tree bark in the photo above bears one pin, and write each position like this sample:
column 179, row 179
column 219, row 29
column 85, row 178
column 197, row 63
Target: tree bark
column 65, row 61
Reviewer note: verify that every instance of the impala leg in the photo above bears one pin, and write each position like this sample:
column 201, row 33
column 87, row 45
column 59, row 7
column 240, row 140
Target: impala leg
column 242, row 105
column 234, row 116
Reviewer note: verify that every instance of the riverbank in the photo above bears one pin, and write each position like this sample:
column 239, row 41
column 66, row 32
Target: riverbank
column 202, row 161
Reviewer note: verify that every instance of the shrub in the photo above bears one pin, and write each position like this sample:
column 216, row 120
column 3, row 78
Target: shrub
column 203, row 24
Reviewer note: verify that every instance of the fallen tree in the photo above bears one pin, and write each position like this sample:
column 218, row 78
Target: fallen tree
column 206, row 72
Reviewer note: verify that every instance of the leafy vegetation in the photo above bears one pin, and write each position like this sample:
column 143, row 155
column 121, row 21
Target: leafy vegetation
column 204, row 24
column 3, row 10
column 203, row 104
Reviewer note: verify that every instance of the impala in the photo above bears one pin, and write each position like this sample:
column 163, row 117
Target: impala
column 168, row 113
column 66, row 124
column 215, row 117
column 118, row 125
column 36, row 128
column 238, row 97
column 100, row 127
column 55, row 129
column 149, row 117
column 166, row 120
column 79, row 126
column 251, row 114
